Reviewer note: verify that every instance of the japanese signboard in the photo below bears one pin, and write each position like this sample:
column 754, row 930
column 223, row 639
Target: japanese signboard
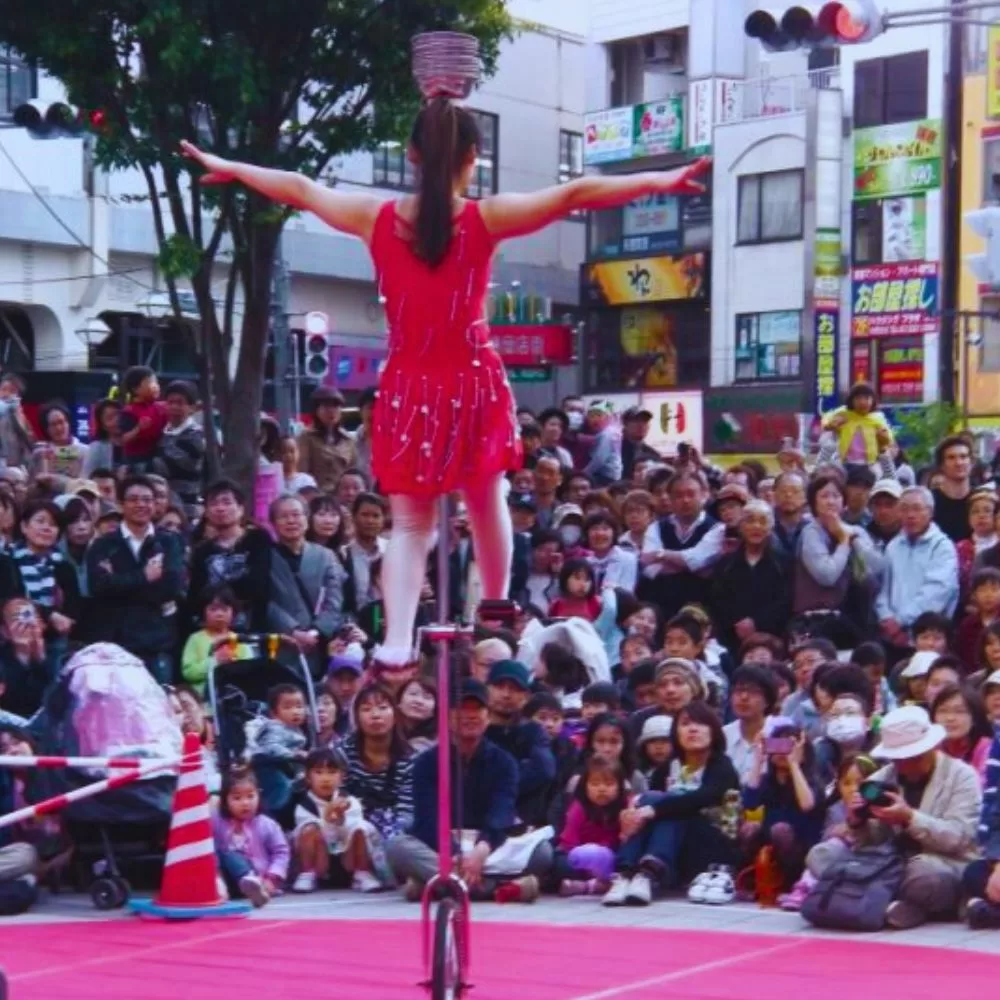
column 892, row 160
column 894, row 300
column 523, row 374
column 826, row 320
column 627, row 133
column 646, row 279
column 901, row 371
column 651, row 224
column 677, row 418
column 861, row 361
column 533, row 345
column 700, row 108
column 993, row 73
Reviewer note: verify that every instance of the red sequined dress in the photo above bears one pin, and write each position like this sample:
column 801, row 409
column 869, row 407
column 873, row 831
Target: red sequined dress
column 444, row 413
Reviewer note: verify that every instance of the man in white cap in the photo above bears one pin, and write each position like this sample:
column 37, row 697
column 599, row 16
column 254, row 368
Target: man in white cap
column 884, row 505
column 933, row 816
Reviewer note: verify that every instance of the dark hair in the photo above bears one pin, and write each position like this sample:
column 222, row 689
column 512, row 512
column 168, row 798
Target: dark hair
column 991, row 631
column 869, row 654
column 988, row 574
column 47, row 410
column 754, row 675
column 10, row 378
column 131, row 481
column 102, row 473
column 74, row 510
column 443, row 136
column 530, row 431
column 598, row 765
column 599, row 722
column 820, row 482
column 543, row 701
column 601, row 693
column 604, row 517
column 99, row 432
column 217, row 593
column 424, row 728
column 33, row 507
column 644, row 672
column 326, row 503
column 326, row 757
column 931, row 621
column 860, row 476
column 849, row 680
column 134, row 377
column 704, row 715
column 277, row 692
column 676, row 478
column 952, row 441
column 689, row 625
column 982, row 728
column 233, row 777
column 221, row 486
column 374, row 691
column 818, row 679
column 181, row 387
column 572, row 566
column 563, row 669
column 762, row 640
column 862, row 389
column 553, row 413
column 545, row 536
column 372, row 499
column 657, row 479
column 817, row 645
column 783, row 672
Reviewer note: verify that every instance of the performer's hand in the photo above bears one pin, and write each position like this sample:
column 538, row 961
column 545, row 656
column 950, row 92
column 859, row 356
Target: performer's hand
column 684, row 180
column 219, row 171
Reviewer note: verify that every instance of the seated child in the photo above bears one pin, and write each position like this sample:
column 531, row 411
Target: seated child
column 577, row 592
column 252, row 850
column 330, row 829
column 655, row 746
column 600, row 698
column 546, row 709
column 280, row 737
column 218, row 606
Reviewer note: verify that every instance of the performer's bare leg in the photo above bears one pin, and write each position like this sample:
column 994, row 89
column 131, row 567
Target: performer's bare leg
column 492, row 535
column 404, row 568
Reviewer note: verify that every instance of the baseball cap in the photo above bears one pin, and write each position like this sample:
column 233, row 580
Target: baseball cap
column 920, row 663
column 637, row 413
column 352, row 658
column 523, row 501
column 80, row 486
column 890, row 487
column 510, row 670
column 473, row 690
column 656, row 727
column 601, row 406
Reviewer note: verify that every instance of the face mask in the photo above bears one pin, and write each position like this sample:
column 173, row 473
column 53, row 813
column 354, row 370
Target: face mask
column 575, row 420
column 846, row 729
column 570, row 534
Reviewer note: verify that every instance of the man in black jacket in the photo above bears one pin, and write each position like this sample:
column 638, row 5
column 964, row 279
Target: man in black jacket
column 509, row 685
column 137, row 579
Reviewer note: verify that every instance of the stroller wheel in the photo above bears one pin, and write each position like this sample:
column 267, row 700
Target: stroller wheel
column 107, row 894
column 124, row 890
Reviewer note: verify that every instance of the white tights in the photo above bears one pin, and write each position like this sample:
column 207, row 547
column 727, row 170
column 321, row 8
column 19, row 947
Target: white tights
column 404, row 565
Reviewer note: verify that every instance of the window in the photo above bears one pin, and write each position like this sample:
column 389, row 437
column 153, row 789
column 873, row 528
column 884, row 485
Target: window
column 890, row 90
column 484, row 178
column 770, row 207
column 866, row 229
column 18, row 81
column 889, row 230
column 392, row 168
column 768, row 345
column 989, row 326
column 571, row 162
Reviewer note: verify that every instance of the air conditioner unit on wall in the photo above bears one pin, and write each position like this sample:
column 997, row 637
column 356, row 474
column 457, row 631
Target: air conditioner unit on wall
column 661, row 49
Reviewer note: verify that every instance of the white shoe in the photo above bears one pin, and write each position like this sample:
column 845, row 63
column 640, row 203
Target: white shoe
column 721, row 888
column 640, row 891
column 254, row 890
column 698, row 888
column 304, row 882
column 220, row 889
column 365, row 882
column 617, row 895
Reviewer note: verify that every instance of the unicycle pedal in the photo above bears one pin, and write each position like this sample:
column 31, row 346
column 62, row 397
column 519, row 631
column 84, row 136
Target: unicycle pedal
column 497, row 613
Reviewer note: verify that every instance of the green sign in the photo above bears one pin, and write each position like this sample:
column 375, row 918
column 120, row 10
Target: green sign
column 901, row 159
column 530, row 373
column 658, row 127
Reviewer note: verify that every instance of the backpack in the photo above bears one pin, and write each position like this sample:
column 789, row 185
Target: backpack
column 854, row 893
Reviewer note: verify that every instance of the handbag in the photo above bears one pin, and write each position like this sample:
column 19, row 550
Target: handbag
column 854, row 893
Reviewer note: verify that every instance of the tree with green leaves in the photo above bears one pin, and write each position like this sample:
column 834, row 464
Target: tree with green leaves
column 279, row 84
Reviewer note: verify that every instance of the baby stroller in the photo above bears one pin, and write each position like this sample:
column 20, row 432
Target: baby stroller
column 237, row 695
column 105, row 703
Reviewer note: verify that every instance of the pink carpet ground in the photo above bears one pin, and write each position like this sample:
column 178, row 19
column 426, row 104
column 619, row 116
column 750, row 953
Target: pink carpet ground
column 267, row 960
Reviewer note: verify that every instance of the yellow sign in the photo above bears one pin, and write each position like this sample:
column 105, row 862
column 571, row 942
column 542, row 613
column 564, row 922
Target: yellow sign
column 646, row 279
column 993, row 73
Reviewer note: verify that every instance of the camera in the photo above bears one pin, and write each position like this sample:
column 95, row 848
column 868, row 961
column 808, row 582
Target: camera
column 876, row 793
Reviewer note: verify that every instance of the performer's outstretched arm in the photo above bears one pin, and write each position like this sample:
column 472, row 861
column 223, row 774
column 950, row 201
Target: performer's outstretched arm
column 509, row 215
column 350, row 213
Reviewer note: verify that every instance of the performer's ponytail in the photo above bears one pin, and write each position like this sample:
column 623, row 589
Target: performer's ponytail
column 443, row 136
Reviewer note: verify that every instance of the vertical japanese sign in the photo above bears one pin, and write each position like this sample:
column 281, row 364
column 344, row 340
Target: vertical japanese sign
column 993, row 73
column 826, row 317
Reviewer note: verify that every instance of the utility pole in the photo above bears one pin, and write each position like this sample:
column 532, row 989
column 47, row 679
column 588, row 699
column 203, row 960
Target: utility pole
column 283, row 359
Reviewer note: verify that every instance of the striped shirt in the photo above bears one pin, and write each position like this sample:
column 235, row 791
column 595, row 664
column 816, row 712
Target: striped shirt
column 38, row 573
column 386, row 796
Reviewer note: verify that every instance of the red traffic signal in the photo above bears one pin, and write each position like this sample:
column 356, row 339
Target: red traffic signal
column 839, row 22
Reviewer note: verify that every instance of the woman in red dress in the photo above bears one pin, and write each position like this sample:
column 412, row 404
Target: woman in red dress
column 444, row 415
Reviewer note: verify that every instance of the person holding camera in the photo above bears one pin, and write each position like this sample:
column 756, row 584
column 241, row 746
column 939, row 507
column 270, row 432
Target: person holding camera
column 929, row 803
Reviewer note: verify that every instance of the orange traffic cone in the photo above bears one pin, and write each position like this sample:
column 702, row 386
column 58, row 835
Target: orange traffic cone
column 190, row 886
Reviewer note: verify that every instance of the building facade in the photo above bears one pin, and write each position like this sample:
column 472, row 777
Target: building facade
column 78, row 283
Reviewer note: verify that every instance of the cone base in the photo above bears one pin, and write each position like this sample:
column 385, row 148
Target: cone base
column 151, row 908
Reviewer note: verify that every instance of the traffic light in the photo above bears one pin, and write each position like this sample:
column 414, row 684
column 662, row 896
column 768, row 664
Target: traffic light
column 54, row 121
column 985, row 222
column 316, row 357
column 839, row 22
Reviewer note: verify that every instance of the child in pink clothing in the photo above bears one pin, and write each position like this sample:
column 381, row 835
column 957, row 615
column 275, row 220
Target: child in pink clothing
column 590, row 836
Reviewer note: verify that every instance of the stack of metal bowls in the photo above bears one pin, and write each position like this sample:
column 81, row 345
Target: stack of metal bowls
column 446, row 64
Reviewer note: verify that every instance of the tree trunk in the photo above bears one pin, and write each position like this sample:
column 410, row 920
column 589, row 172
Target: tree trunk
column 241, row 420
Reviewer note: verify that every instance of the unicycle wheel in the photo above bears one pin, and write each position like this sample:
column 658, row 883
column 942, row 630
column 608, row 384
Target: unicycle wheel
column 446, row 970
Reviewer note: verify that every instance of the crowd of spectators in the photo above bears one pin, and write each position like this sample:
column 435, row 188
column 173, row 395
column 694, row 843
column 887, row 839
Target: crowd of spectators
column 706, row 670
